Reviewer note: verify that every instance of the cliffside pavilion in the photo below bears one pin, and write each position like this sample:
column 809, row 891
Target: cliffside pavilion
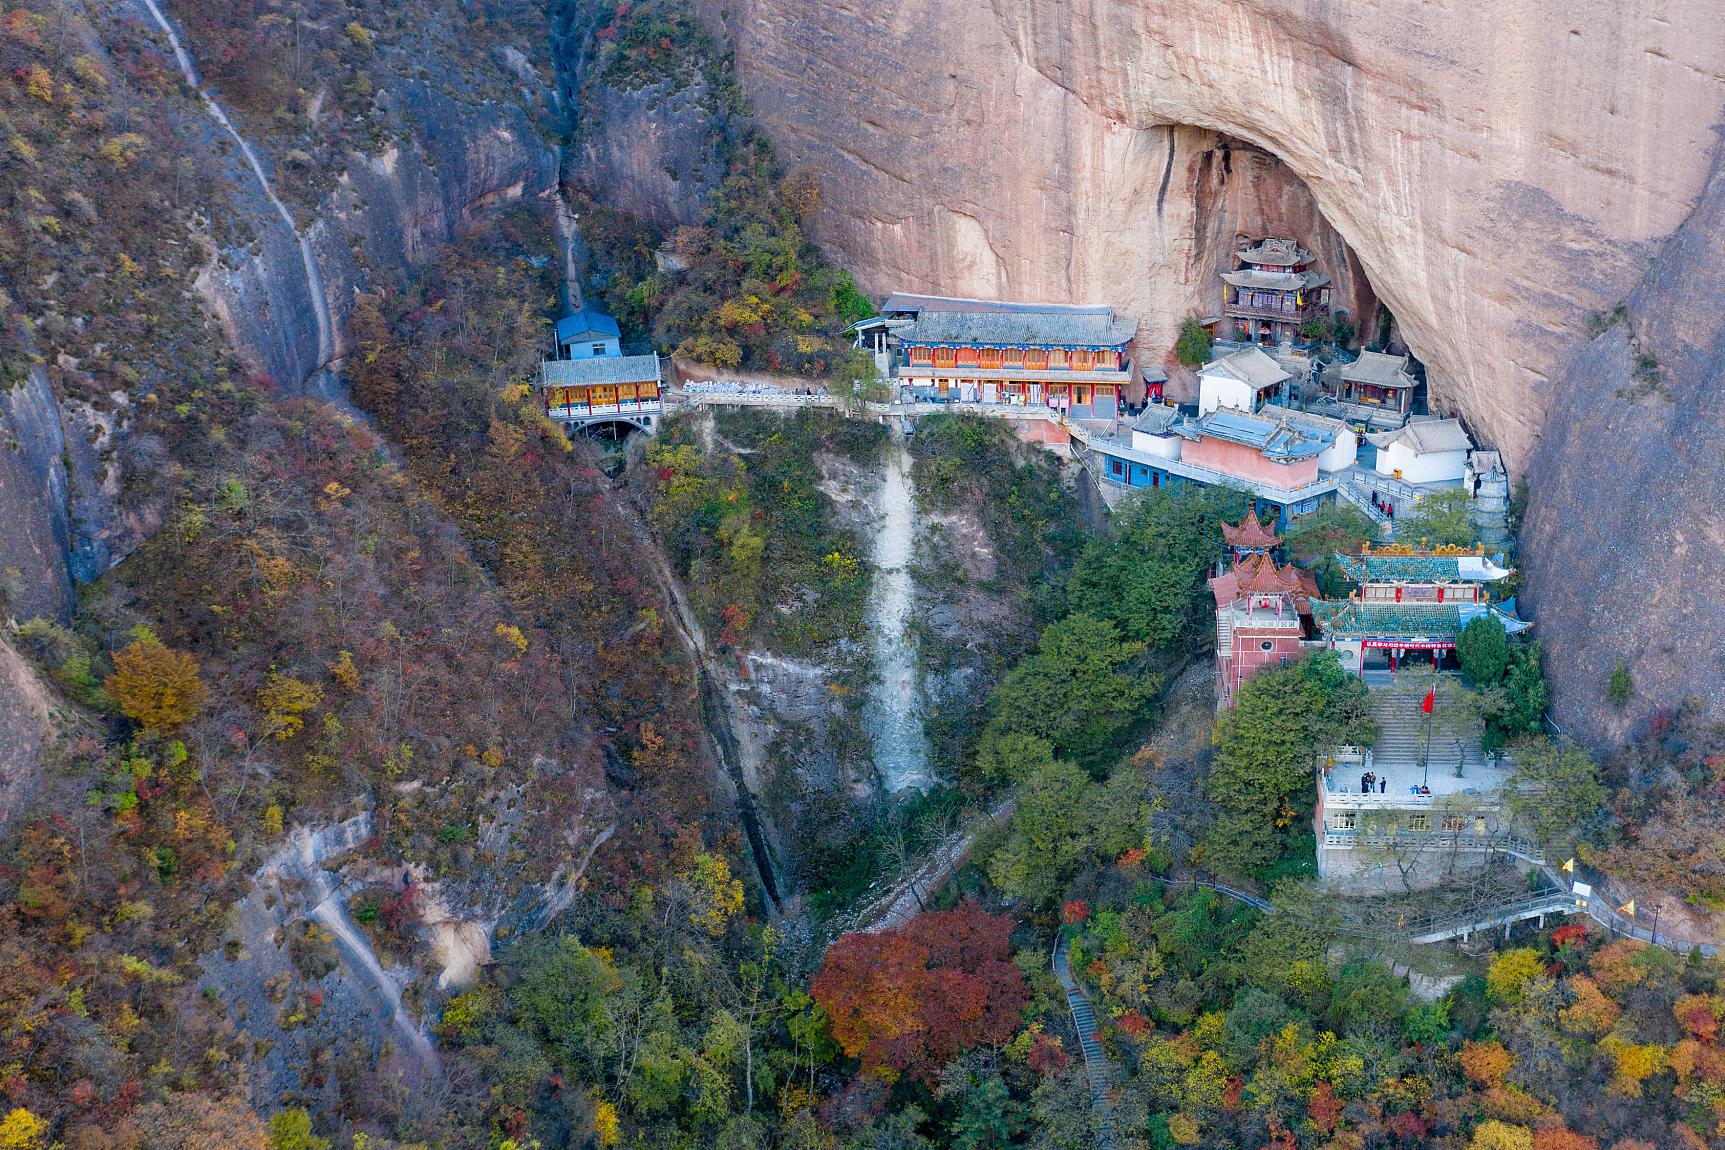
column 1376, row 389
column 1263, row 609
column 1074, row 359
column 592, row 383
column 1273, row 293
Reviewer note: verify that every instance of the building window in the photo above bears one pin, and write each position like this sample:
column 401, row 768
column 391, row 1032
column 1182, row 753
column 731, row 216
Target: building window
column 1420, row 823
column 1453, row 824
column 1115, row 467
column 1342, row 821
column 1267, row 645
column 598, row 349
column 1479, row 826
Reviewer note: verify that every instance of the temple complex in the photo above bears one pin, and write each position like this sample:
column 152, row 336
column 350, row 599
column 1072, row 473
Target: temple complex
column 1291, row 461
column 1273, row 293
column 1073, row 359
column 1423, row 801
column 592, row 383
column 1263, row 608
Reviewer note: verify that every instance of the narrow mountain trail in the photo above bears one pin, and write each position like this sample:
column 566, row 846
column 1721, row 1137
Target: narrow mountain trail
column 1098, row 1068
column 907, row 897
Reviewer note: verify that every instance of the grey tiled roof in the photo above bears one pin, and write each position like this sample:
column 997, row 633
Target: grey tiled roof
column 1250, row 366
column 1379, row 369
column 601, row 370
column 941, row 320
column 1275, row 281
column 1427, row 435
column 1275, row 250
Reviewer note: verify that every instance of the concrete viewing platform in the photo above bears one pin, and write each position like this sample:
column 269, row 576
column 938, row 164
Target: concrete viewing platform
column 1401, row 747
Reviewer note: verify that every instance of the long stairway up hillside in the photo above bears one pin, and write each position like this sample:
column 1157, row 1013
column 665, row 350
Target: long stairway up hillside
column 1097, row 1066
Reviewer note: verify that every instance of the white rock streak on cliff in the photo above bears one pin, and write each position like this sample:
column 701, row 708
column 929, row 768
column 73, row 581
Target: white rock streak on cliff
column 894, row 710
column 313, row 277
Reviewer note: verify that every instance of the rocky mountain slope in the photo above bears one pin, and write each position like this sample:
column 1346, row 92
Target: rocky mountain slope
column 1501, row 173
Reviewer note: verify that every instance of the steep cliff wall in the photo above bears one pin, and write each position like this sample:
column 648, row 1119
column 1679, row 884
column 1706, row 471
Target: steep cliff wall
column 1625, row 542
column 35, row 508
column 388, row 209
column 1501, row 169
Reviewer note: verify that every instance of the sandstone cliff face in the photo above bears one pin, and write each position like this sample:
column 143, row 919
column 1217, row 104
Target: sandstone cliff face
column 1501, row 168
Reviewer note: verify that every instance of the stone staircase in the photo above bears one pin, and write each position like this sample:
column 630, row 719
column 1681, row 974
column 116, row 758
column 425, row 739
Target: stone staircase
column 1097, row 1068
column 1361, row 498
column 1402, row 733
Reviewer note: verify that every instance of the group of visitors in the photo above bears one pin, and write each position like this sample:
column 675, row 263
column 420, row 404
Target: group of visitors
column 1384, row 505
column 1369, row 783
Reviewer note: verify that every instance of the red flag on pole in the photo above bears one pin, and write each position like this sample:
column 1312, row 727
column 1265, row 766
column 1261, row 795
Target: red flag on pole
column 1431, row 697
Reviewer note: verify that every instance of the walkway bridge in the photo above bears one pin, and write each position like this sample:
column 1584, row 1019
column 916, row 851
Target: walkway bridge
column 1554, row 900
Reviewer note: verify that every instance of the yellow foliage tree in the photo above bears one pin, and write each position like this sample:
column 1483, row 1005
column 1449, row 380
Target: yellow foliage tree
column 284, row 701
column 1633, row 1063
column 1510, row 972
column 1495, row 1135
column 605, row 1124
column 157, row 688
column 1592, row 1013
column 22, row 1130
column 512, row 635
column 717, row 897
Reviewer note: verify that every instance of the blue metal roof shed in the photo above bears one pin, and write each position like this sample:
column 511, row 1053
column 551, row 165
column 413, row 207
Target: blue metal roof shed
column 587, row 323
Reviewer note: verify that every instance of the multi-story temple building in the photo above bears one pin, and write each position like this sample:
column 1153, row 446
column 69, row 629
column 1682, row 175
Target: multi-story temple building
column 1073, row 359
column 592, row 382
column 1273, row 293
column 1410, row 603
column 1263, row 608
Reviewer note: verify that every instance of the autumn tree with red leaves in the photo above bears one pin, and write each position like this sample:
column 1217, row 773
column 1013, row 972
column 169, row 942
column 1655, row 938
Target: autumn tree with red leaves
column 907, row 1001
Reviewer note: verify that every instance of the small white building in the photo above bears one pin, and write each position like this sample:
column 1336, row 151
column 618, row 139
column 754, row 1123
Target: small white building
column 1155, row 431
column 1242, row 380
column 588, row 334
column 1424, row 451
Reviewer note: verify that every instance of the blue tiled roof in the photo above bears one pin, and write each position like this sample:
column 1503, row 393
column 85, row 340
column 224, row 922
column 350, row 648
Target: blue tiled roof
column 1277, row 439
column 587, row 322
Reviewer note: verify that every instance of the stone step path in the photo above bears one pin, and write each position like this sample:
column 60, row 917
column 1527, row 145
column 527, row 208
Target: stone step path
column 1363, row 501
column 1097, row 1067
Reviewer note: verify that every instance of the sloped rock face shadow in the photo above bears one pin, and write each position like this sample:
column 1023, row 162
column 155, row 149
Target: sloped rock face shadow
column 1625, row 539
column 35, row 511
column 393, row 208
